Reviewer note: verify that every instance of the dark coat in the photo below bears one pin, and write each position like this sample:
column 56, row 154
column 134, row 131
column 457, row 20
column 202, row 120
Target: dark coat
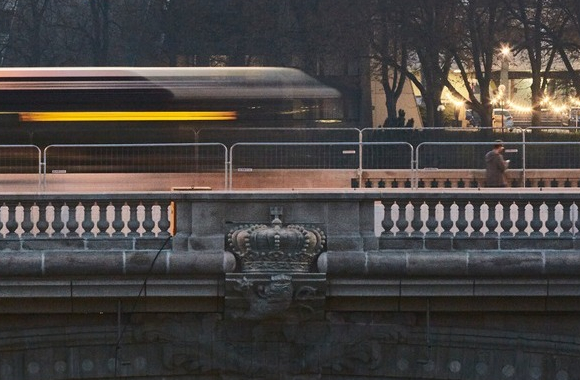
column 495, row 167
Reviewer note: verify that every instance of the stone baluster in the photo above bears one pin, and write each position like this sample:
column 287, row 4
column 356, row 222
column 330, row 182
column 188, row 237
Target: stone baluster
column 576, row 221
column 103, row 223
column 87, row 222
column 506, row 221
column 26, row 224
column 551, row 223
column 72, row 225
column 1, row 224
column 536, row 222
column 461, row 223
column 417, row 223
column 566, row 223
column 42, row 223
column 11, row 223
column 402, row 222
column 521, row 222
column 164, row 223
column 447, row 223
column 133, row 223
column 118, row 223
column 387, row 221
column 148, row 223
column 491, row 222
column 57, row 223
column 431, row 222
column 476, row 223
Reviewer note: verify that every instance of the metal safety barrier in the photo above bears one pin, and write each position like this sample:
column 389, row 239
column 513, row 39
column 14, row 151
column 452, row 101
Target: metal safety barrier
column 164, row 160
column 23, row 164
column 354, row 157
column 215, row 165
column 431, row 157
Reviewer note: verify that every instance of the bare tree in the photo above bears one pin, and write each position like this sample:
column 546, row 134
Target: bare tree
column 474, row 55
column 564, row 34
column 30, row 44
column 100, row 31
column 435, row 29
column 390, row 51
column 532, row 16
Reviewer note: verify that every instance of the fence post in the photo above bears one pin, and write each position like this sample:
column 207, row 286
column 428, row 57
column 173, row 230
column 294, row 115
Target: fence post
column 360, row 160
column 523, row 157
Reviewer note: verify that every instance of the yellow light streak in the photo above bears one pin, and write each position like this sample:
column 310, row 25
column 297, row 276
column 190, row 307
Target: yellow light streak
column 127, row 116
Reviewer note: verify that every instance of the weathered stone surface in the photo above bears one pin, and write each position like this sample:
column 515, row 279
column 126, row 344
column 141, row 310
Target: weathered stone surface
column 506, row 263
column 21, row 264
column 344, row 345
column 339, row 263
column 46, row 244
column 401, row 243
column 511, row 288
column 211, row 263
column 291, row 297
column 59, row 263
column 439, row 244
column 436, row 264
column 475, row 243
column 104, row 244
column 536, row 243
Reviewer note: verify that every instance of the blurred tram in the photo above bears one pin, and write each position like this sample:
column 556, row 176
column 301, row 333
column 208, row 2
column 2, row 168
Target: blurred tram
column 44, row 106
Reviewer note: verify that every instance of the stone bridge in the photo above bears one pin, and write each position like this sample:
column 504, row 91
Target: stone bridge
column 353, row 284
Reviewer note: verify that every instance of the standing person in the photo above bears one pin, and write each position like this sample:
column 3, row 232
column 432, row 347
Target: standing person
column 495, row 166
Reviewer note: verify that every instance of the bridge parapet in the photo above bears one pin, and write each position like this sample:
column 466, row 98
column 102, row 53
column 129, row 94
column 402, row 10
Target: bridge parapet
column 427, row 236
column 441, row 293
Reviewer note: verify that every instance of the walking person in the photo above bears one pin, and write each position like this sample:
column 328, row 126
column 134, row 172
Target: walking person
column 495, row 166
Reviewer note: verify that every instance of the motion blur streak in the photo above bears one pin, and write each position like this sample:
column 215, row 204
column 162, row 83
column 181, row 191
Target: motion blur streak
column 127, row 116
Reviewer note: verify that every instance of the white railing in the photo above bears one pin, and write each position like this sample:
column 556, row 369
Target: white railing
column 84, row 216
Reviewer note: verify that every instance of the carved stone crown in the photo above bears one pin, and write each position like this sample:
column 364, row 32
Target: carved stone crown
column 276, row 248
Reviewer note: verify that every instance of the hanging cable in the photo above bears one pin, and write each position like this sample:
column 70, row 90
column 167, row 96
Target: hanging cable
column 143, row 287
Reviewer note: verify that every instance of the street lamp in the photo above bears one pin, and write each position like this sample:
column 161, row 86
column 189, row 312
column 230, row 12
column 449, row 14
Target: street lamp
column 505, row 67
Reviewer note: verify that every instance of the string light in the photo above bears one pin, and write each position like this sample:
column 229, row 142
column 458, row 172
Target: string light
column 456, row 102
column 575, row 102
column 519, row 108
column 546, row 102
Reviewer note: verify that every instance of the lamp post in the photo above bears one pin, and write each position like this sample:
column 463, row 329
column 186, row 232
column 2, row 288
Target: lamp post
column 504, row 85
column 574, row 110
column 441, row 108
column 505, row 68
column 501, row 94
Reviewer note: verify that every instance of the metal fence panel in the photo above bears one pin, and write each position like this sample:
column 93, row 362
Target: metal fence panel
column 294, row 156
column 553, row 155
column 453, row 155
column 387, row 155
column 20, row 159
column 136, row 158
column 229, row 135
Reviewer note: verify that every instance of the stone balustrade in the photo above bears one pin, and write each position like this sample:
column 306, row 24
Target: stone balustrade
column 105, row 230
column 200, row 219
column 453, row 214
column 72, row 216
